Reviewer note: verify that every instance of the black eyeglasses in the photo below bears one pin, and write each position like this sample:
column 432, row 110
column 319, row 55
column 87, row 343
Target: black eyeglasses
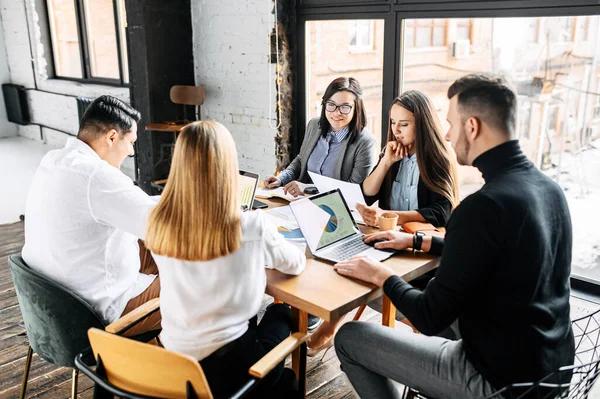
column 344, row 108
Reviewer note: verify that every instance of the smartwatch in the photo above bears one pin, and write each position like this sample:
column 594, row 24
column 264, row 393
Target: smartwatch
column 418, row 241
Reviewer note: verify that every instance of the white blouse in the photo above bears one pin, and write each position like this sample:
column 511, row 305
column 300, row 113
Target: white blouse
column 206, row 305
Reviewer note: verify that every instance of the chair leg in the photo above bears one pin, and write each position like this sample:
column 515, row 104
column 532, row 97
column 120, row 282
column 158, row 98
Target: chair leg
column 26, row 373
column 74, row 384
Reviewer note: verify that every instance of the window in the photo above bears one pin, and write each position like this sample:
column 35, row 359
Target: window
column 552, row 82
column 463, row 29
column 582, row 28
column 88, row 40
column 533, row 28
column 360, row 33
column 425, row 33
column 327, row 59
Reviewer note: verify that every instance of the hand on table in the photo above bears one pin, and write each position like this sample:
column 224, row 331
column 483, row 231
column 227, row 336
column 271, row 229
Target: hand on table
column 294, row 188
column 272, row 182
column 390, row 239
column 365, row 269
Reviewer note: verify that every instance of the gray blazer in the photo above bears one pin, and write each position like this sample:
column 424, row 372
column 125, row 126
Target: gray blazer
column 353, row 164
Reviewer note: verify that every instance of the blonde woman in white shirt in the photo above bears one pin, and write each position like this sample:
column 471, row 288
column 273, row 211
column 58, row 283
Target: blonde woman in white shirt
column 212, row 258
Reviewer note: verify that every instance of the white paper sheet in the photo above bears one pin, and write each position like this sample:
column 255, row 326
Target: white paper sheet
column 351, row 192
column 313, row 230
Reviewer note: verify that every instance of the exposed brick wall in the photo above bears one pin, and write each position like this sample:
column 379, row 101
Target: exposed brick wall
column 52, row 102
column 230, row 58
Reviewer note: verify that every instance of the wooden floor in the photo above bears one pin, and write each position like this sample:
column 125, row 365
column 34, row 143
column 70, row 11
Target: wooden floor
column 325, row 379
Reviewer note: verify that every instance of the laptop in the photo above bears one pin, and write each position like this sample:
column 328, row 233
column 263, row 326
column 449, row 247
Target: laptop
column 330, row 230
column 247, row 184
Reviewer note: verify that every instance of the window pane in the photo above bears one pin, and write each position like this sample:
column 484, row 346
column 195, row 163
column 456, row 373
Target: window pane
column 65, row 40
column 559, row 98
column 423, row 37
column 439, row 36
column 463, row 32
column 123, row 33
column 328, row 59
column 360, row 35
column 102, row 38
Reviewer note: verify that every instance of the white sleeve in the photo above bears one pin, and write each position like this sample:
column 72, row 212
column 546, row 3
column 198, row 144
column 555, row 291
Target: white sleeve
column 280, row 254
column 115, row 201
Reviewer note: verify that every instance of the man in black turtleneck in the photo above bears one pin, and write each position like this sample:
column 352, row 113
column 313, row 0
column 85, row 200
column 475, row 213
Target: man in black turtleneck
column 503, row 279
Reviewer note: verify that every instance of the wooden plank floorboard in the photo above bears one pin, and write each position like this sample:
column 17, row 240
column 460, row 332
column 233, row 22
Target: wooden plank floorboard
column 324, row 377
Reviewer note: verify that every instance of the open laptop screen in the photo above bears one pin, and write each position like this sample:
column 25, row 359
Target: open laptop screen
column 247, row 183
column 324, row 219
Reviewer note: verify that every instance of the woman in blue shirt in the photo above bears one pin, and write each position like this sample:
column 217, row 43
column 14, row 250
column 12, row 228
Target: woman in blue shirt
column 415, row 178
column 337, row 144
column 416, row 173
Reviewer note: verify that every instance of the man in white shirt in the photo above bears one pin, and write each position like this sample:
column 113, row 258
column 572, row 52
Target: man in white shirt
column 84, row 217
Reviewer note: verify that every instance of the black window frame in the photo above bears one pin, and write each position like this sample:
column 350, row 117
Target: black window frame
column 84, row 49
column 394, row 12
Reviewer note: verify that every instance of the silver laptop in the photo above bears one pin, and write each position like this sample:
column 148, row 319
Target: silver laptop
column 329, row 229
column 247, row 184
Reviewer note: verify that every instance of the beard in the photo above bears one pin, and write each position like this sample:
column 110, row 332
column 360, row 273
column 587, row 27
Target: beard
column 462, row 148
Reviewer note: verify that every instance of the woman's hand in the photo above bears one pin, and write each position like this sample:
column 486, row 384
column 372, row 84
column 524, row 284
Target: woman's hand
column 365, row 269
column 272, row 182
column 369, row 213
column 295, row 188
column 390, row 239
column 394, row 152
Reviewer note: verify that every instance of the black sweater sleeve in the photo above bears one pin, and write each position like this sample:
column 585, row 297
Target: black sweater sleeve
column 460, row 275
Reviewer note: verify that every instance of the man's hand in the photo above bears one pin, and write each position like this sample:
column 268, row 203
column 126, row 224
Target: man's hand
column 365, row 269
column 272, row 182
column 391, row 239
column 369, row 213
column 295, row 188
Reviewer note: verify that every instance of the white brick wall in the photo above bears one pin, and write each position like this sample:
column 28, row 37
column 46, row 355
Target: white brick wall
column 230, row 57
column 52, row 102
column 7, row 129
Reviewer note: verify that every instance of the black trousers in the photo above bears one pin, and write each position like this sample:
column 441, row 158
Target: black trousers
column 227, row 369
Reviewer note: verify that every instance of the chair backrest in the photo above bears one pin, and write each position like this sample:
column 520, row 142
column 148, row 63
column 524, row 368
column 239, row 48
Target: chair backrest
column 148, row 370
column 584, row 373
column 188, row 95
column 56, row 319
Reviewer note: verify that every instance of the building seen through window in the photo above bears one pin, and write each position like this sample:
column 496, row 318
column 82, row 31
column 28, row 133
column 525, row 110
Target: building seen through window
column 88, row 40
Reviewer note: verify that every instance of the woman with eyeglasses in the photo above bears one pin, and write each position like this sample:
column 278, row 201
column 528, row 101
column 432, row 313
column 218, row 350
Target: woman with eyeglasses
column 337, row 144
column 415, row 178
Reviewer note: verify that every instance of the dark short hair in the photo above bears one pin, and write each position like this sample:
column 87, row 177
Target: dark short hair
column 488, row 97
column 105, row 113
column 359, row 119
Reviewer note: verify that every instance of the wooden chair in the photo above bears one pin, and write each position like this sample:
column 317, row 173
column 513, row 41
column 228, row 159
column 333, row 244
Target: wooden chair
column 132, row 369
column 184, row 96
column 56, row 319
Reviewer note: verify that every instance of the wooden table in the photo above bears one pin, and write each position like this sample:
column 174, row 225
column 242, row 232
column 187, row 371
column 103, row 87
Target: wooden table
column 320, row 291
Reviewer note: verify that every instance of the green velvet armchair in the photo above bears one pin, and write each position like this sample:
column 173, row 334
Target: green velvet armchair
column 57, row 320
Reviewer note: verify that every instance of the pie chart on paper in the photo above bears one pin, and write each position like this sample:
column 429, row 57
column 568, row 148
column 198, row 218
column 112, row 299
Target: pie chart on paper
column 332, row 224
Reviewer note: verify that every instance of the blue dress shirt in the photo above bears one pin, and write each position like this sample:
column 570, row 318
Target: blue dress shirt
column 404, row 187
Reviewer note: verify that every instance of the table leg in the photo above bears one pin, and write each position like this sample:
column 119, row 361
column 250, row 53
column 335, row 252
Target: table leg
column 300, row 319
column 388, row 312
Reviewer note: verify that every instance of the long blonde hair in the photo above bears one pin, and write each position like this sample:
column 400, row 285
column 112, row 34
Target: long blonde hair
column 198, row 217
